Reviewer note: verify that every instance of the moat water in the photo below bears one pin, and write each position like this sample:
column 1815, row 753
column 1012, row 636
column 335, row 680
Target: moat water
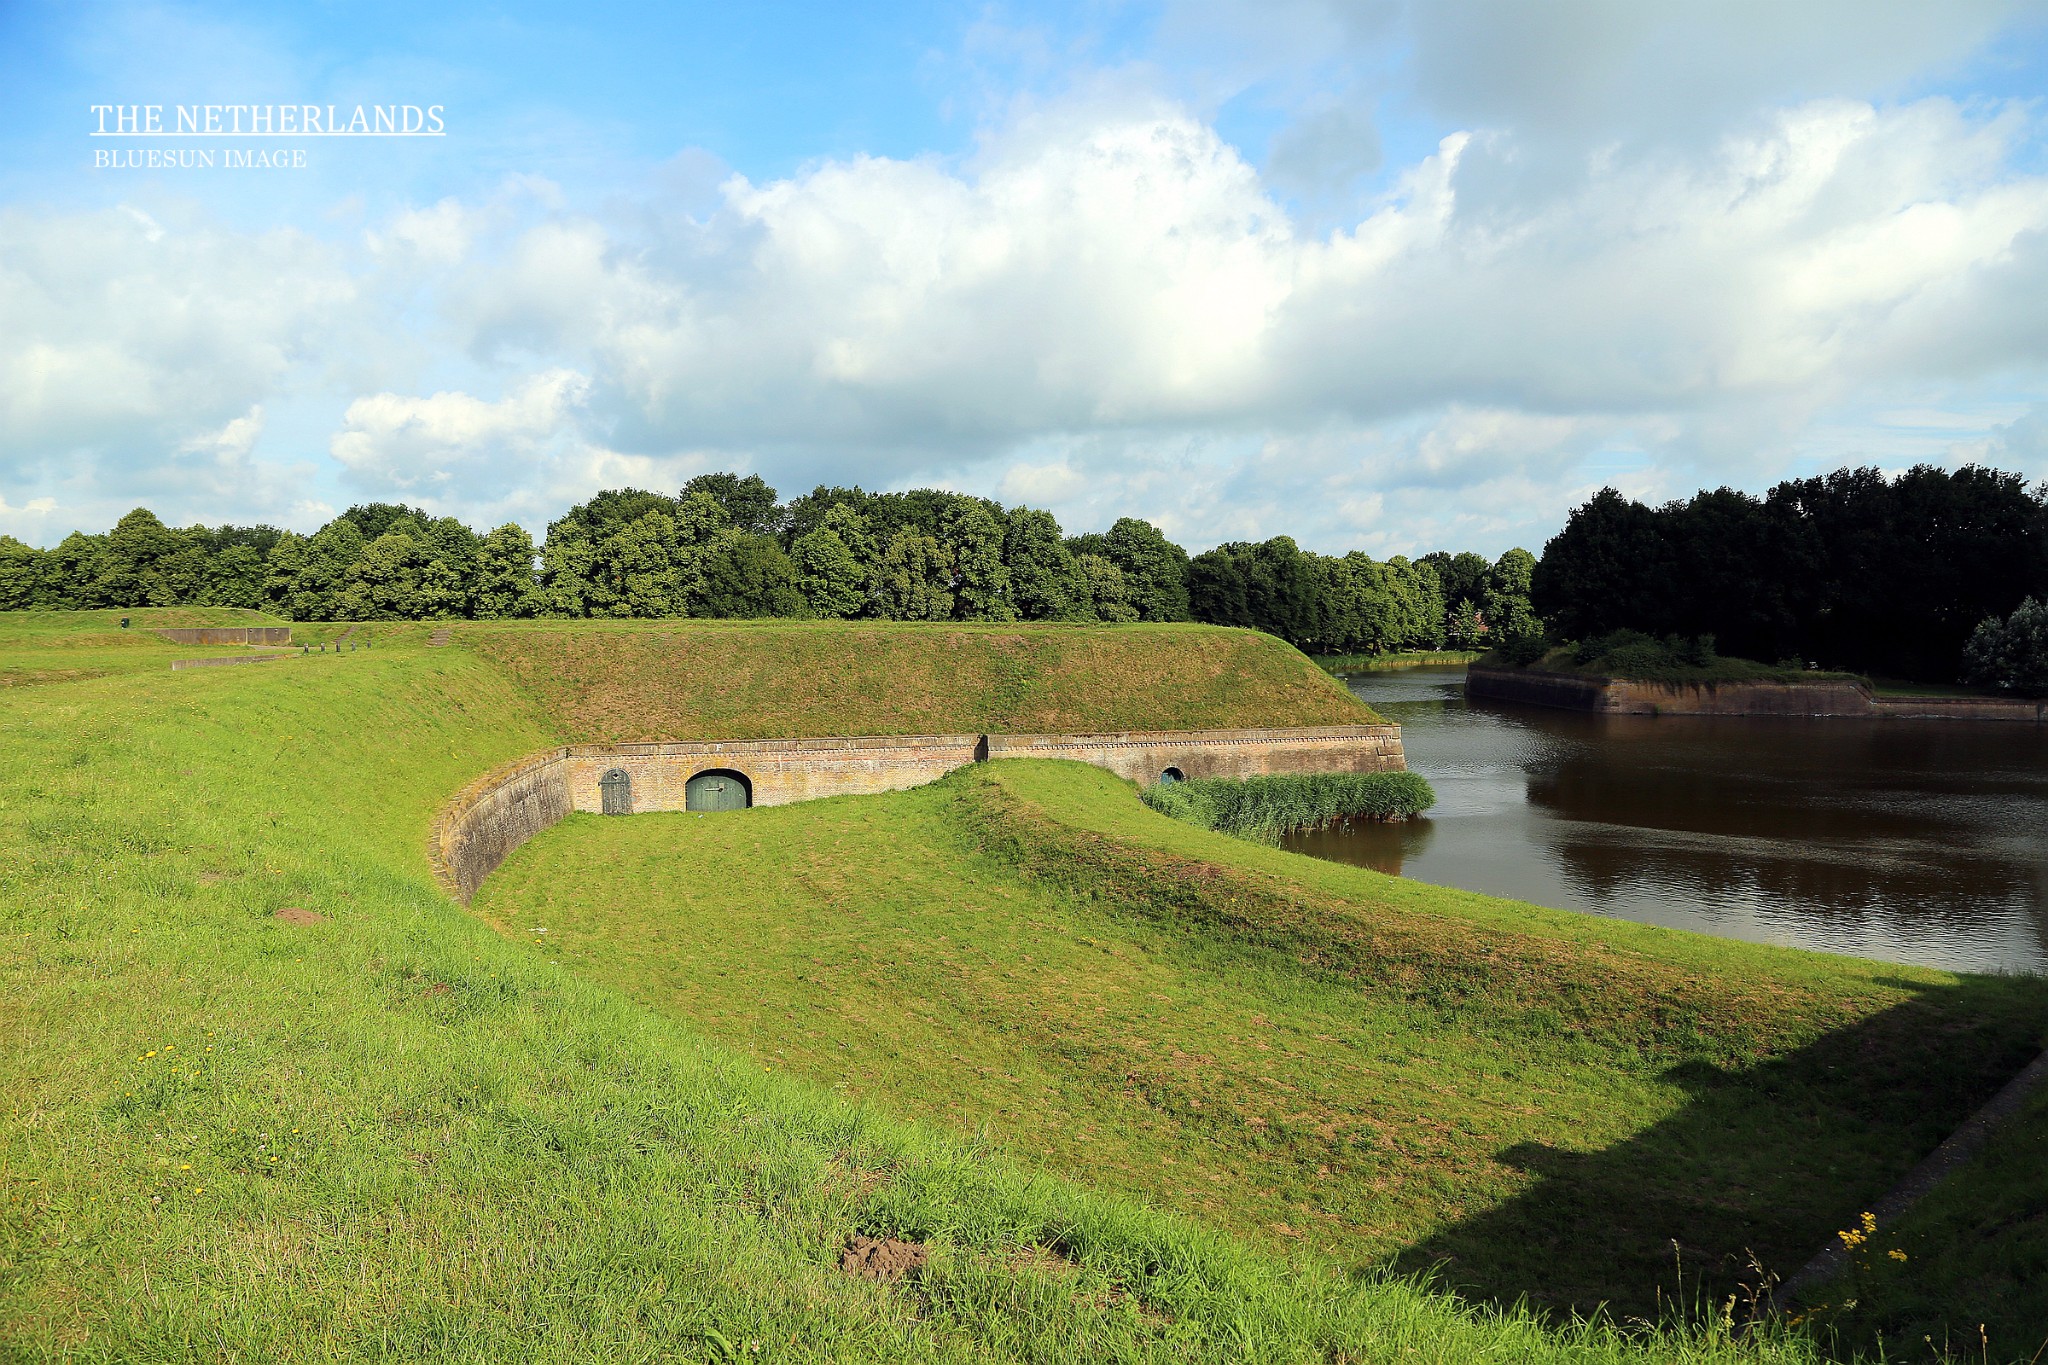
column 1910, row 841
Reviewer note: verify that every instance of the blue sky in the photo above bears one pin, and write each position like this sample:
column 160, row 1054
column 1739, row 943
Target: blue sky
column 1386, row 275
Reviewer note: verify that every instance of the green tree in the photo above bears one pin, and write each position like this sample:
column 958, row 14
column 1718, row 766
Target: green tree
column 981, row 581
column 317, row 591
column 1108, row 590
column 749, row 504
column 147, row 564
column 832, row 580
column 403, row 576
column 21, row 574
column 915, row 578
column 1155, row 569
column 1509, row 614
column 746, row 577
column 2012, row 654
column 566, row 562
column 234, row 577
column 281, row 570
column 1045, row 582
column 373, row 519
column 1463, row 628
column 504, row 586
column 639, row 571
column 72, row 572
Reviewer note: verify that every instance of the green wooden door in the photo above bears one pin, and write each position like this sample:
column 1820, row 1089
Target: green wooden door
column 715, row 791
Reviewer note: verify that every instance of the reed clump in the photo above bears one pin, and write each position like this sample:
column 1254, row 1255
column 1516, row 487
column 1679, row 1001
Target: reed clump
column 1266, row 808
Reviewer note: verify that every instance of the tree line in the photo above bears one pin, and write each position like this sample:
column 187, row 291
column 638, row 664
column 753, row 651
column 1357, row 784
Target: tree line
column 1850, row 570
column 726, row 546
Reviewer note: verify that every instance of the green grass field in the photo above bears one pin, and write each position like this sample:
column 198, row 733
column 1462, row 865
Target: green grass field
column 400, row 1132
column 38, row 648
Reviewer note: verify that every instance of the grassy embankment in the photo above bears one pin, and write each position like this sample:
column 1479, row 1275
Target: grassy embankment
column 1302, row 1053
column 1976, row 1256
column 71, row 646
column 1381, row 663
column 1631, row 655
column 721, row 680
column 395, row 1132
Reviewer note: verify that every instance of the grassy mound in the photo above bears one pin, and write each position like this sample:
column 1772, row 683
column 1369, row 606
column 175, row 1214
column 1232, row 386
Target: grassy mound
column 765, row 680
column 1265, row 808
column 1307, row 1054
column 1632, row 655
column 391, row 1132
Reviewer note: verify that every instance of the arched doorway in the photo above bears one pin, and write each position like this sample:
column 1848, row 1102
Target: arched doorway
column 1173, row 775
column 615, row 792
column 718, row 789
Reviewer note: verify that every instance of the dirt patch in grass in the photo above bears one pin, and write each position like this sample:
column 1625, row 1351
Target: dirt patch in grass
column 293, row 914
column 885, row 1260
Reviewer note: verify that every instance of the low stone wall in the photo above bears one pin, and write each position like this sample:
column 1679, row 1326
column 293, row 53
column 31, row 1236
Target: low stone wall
column 1961, row 708
column 228, row 635
column 494, row 815
column 1143, row 755
column 504, row 808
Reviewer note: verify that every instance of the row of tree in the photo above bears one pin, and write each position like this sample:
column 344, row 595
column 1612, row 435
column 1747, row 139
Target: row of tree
column 725, row 546
column 1850, row 570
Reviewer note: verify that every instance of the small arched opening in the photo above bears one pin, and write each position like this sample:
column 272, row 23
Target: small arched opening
column 615, row 792
column 1173, row 775
column 718, row 789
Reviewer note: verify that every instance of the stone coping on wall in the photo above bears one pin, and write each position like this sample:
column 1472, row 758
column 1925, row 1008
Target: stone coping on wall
column 504, row 807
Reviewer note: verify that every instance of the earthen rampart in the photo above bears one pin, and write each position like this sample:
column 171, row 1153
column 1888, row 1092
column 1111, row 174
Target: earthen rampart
column 504, row 808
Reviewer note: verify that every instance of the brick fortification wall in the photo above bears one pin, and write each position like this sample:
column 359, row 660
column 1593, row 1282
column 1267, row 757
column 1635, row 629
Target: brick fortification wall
column 504, row 808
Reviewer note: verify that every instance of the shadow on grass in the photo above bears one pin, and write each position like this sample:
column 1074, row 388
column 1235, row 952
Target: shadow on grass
column 1760, row 1167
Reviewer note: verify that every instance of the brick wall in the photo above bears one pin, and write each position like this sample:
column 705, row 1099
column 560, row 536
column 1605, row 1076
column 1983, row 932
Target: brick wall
column 506, row 807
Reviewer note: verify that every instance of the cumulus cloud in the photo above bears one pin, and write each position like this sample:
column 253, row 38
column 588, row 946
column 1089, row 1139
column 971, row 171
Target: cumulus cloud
column 523, row 456
column 1134, row 277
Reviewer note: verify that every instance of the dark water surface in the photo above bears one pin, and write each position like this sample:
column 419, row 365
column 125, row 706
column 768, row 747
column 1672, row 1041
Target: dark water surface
column 1912, row 841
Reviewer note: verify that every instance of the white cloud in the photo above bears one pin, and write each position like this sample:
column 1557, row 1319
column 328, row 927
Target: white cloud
column 232, row 442
column 1134, row 277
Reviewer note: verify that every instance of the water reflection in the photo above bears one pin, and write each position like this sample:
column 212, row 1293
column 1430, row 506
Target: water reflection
column 1914, row 841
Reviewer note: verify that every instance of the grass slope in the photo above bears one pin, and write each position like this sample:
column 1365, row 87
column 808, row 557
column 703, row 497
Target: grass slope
column 764, row 680
column 1304, row 1053
column 396, row 1134
column 1972, row 1258
column 39, row 647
